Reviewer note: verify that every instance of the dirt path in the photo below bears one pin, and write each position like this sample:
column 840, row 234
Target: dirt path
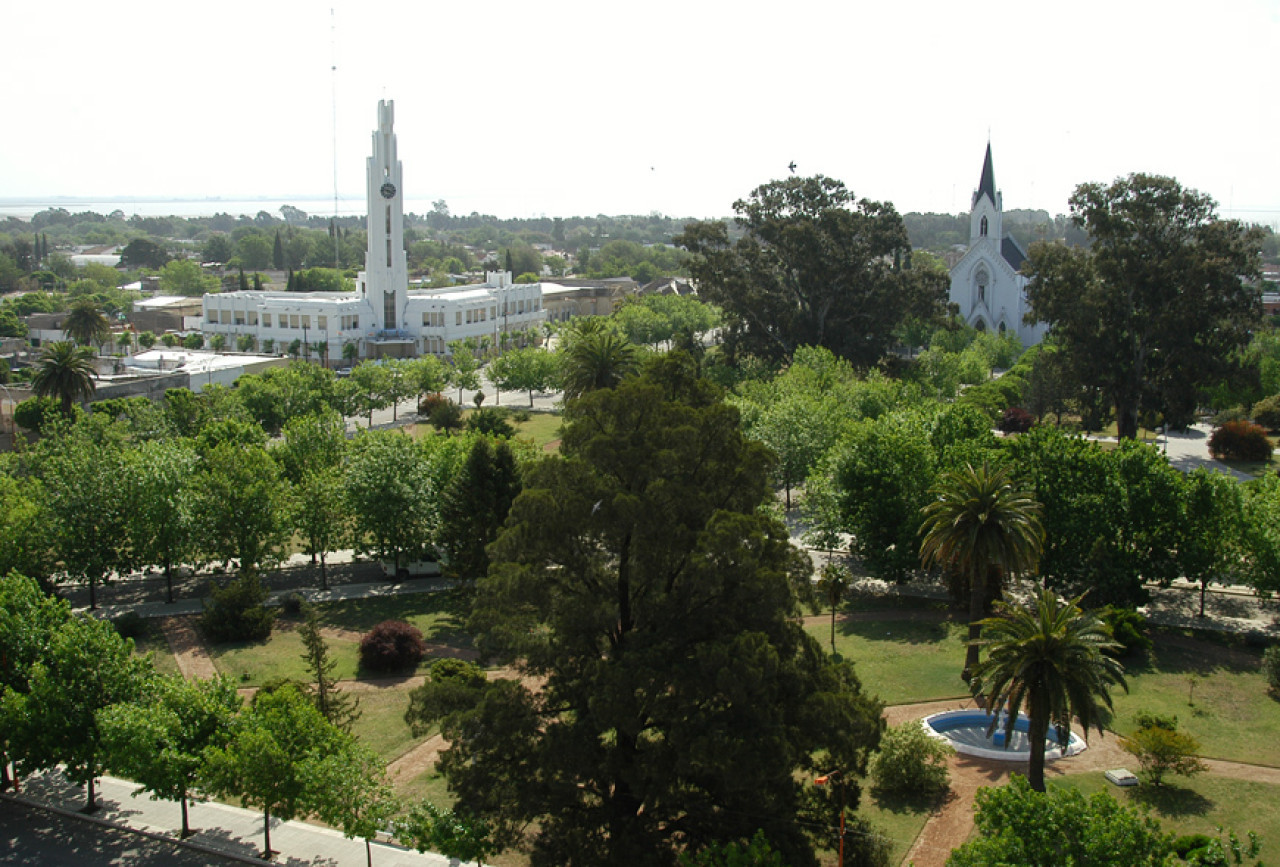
column 188, row 650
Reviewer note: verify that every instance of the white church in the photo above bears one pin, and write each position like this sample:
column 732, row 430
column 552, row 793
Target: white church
column 985, row 283
column 383, row 317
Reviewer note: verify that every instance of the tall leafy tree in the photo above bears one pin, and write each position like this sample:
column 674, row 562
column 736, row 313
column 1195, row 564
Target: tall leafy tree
column 1154, row 307
column 1212, row 528
column 1051, row 660
column 240, row 501
column 388, row 492
column 65, row 372
column 271, row 759
column 29, row 619
column 985, row 528
column 86, row 667
column 464, row 369
column 159, row 741
column 682, row 702
column 813, row 267
column 84, row 477
column 159, row 475
column 529, row 369
column 353, row 794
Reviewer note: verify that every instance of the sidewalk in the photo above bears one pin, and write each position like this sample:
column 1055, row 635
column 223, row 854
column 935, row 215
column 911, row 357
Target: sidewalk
column 225, row 832
column 313, row 594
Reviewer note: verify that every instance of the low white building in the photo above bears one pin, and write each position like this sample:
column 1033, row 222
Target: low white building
column 383, row 317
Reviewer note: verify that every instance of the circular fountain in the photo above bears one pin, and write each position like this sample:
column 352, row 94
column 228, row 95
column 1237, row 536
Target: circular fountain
column 966, row 730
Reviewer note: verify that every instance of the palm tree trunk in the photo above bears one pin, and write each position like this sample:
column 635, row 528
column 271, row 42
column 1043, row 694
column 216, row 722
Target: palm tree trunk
column 1037, row 731
column 977, row 593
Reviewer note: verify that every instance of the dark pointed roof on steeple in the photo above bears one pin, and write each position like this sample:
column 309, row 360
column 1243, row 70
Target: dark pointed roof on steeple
column 988, row 183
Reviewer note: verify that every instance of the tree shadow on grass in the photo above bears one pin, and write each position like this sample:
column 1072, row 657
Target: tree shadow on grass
column 899, row 631
column 1172, row 801
column 448, row 607
column 911, row 803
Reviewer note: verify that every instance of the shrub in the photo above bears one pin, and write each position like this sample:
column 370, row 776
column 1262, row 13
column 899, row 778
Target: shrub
column 1271, row 666
column 237, row 612
column 446, row 416
column 392, row 646
column 35, row 412
column 130, row 625
column 291, row 604
column 1240, row 441
column 911, row 762
column 1161, row 749
column 428, row 403
column 1266, row 412
column 1128, row 627
column 1189, row 843
column 1016, row 420
column 490, row 422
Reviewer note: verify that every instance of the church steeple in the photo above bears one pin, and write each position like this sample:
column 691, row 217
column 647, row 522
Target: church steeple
column 986, row 214
column 988, row 183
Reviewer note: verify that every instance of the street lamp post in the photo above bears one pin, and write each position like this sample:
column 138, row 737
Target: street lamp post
column 838, row 778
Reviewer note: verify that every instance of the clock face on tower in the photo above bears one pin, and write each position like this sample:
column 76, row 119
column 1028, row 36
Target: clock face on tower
column 388, row 190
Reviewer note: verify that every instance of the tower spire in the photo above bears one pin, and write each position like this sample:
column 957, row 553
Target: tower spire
column 988, row 183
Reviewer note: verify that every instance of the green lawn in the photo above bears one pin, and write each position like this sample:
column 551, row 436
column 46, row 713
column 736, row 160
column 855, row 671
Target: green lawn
column 381, row 726
column 901, row 820
column 542, row 427
column 1199, row 805
column 901, row 661
column 1232, row 716
column 152, row 641
column 280, row 656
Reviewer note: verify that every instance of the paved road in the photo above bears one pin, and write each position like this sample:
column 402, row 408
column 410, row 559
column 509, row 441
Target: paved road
column 225, row 835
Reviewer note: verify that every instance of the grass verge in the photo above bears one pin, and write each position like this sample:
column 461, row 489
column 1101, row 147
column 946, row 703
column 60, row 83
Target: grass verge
column 1199, row 805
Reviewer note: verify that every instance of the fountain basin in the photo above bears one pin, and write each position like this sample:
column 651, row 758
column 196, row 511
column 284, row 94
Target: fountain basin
column 966, row 731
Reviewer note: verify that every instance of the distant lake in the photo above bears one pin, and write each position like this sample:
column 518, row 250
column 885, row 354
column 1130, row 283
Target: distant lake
column 25, row 209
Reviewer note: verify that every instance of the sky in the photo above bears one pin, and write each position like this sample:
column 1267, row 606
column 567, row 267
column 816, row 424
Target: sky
column 566, row 108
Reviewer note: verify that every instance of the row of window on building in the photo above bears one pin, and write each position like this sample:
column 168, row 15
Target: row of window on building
column 283, row 320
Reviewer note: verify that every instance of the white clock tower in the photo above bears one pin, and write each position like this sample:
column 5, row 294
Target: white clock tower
column 385, row 279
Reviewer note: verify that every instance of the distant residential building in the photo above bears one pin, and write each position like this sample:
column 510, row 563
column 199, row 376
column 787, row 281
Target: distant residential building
column 985, row 283
column 383, row 317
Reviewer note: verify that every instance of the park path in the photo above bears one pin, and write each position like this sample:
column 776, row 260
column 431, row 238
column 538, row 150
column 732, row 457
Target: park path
column 188, row 649
column 949, row 826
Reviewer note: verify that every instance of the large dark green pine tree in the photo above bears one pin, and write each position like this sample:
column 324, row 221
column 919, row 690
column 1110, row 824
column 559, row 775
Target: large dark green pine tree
column 682, row 703
column 475, row 505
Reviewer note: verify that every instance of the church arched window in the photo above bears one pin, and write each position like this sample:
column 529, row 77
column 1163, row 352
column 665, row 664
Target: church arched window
column 980, row 281
column 982, row 230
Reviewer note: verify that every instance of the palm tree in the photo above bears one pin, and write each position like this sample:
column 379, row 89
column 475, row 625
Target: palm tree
column 1050, row 659
column 985, row 529
column 597, row 358
column 65, row 372
column 86, row 324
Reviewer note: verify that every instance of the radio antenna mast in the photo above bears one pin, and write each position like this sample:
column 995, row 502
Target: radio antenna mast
column 333, row 73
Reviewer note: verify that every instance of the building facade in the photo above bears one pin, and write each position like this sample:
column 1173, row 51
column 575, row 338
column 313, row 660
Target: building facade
column 383, row 317
column 985, row 284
